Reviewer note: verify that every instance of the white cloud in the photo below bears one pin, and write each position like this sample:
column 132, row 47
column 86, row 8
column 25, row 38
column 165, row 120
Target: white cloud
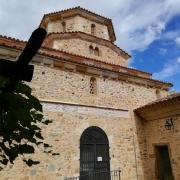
column 178, row 41
column 178, row 60
column 137, row 22
column 145, row 23
column 170, row 69
column 171, row 35
column 162, row 51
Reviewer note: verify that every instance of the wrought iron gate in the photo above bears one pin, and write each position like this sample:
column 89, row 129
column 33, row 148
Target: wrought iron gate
column 94, row 155
column 114, row 175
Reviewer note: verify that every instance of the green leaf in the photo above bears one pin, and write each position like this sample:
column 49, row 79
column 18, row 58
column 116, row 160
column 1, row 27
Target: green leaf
column 20, row 120
column 35, row 103
column 46, row 145
column 47, row 122
column 26, row 149
column 23, row 89
column 30, row 162
column 4, row 161
column 38, row 135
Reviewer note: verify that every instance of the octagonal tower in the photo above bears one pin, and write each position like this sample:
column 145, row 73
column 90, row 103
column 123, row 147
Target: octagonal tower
column 81, row 32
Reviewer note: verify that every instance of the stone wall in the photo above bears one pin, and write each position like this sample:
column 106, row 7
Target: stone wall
column 68, row 102
column 57, row 85
column 81, row 47
column 156, row 134
column 79, row 23
column 64, row 134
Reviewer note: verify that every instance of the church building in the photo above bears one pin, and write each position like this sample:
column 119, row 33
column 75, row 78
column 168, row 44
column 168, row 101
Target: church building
column 109, row 121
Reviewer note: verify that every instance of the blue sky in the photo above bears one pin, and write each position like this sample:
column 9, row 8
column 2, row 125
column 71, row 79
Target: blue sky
column 162, row 56
column 148, row 30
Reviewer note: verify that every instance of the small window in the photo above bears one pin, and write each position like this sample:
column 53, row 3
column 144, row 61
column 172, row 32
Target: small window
column 158, row 94
column 93, row 86
column 93, row 29
column 96, row 51
column 64, row 26
column 91, row 49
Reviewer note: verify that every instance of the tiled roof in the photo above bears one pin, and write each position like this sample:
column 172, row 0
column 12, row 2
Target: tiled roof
column 99, row 63
column 19, row 45
column 81, row 10
column 16, row 43
column 78, row 7
column 175, row 97
column 72, row 32
column 12, row 39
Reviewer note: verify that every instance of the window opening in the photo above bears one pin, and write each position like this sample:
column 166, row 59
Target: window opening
column 91, row 49
column 93, row 86
column 158, row 94
column 64, row 26
column 93, row 29
column 96, row 51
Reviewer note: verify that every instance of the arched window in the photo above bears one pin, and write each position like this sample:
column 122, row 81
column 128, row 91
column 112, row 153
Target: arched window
column 93, row 29
column 91, row 51
column 64, row 26
column 94, row 154
column 93, row 86
column 96, row 51
column 158, row 94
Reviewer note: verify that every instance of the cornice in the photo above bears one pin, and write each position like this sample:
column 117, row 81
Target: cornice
column 81, row 12
column 84, row 36
column 125, row 74
column 168, row 105
column 80, row 8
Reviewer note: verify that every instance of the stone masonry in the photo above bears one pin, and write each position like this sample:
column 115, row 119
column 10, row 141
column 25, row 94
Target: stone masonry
column 64, row 68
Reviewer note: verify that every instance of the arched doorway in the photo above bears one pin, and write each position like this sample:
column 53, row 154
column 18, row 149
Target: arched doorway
column 94, row 155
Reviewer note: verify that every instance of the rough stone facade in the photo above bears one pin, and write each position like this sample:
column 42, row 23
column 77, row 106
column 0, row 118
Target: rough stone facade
column 63, row 86
column 79, row 23
column 81, row 47
column 152, row 134
column 157, row 135
column 73, row 87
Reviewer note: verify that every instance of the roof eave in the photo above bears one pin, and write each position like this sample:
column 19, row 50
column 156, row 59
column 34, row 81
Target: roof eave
column 44, row 20
column 163, row 101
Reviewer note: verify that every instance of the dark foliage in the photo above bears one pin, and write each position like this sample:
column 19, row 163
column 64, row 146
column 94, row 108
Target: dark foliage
column 20, row 120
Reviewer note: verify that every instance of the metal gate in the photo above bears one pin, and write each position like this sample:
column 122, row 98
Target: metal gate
column 94, row 155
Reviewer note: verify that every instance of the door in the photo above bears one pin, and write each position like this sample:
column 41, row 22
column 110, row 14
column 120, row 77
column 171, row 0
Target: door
column 163, row 164
column 94, row 155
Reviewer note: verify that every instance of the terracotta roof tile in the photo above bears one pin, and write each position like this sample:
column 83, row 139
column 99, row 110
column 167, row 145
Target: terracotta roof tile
column 10, row 38
column 24, row 42
column 19, row 45
column 105, row 19
column 96, row 60
column 129, row 56
column 78, row 7
column 172, row 97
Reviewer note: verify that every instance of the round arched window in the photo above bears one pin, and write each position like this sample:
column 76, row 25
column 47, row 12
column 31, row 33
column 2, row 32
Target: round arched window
column 93, row 29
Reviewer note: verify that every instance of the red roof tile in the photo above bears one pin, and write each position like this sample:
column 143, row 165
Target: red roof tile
column 18, row 44
column 105, row 19
column 78, row 7
column 164, row 100
column 90, row 35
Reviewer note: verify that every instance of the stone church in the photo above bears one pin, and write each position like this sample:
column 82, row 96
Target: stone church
column 110, row 121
